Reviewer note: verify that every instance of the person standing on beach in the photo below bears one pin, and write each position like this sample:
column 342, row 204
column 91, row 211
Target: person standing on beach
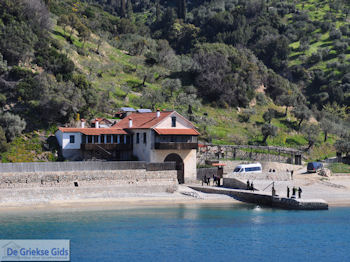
column 288, row 191
column 291, row 174
column 248, row 185
column 299, row 192
column 252, row 186
column 294, row 192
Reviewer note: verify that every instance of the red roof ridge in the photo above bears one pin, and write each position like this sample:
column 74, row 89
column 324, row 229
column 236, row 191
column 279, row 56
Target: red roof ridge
column 93, row 130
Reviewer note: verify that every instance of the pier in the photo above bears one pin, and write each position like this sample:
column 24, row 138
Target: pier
column 265, row 199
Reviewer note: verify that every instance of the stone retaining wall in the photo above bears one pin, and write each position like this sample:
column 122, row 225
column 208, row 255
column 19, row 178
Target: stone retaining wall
column 83, row 166
column 33, row 187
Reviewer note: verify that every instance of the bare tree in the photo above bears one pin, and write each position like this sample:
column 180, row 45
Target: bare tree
column 37, row 12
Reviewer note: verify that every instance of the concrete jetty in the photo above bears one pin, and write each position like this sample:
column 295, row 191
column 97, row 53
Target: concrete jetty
column 264, row 199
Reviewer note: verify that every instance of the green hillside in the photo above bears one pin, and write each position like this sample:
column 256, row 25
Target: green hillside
column 253, row 72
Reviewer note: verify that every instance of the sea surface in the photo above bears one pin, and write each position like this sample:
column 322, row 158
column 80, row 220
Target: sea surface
column 190, row 233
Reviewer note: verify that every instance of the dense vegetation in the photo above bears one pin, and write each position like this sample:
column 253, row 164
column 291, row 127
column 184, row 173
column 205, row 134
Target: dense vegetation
column 245, row 71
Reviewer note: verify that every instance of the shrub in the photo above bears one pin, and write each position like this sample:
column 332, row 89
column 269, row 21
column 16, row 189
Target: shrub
column 335, row 34
column 261, row 99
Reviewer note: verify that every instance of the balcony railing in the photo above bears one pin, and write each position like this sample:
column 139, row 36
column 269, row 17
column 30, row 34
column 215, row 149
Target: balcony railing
column 108, row 147
column 175, row 145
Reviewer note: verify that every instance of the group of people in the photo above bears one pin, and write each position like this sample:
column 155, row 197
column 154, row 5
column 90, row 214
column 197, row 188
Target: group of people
column 294, row 191
column 250, row 186
column 206, row 180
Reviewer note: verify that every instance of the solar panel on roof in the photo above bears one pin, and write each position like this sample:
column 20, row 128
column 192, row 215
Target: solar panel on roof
column 144, row 110
column 128, row 109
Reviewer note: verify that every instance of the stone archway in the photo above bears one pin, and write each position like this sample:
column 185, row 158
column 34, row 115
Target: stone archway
column 179, row 166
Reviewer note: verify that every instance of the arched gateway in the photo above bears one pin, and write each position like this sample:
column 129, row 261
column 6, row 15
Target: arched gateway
column 179, row 166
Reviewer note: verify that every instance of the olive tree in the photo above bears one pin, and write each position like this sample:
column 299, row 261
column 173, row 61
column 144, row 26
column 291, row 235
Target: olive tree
column 301, row 112
column 268, row 130
column 12, row 124
column 311, row 132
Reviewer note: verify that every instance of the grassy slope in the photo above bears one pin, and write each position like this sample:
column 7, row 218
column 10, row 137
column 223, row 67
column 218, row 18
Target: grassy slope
column 316, row 11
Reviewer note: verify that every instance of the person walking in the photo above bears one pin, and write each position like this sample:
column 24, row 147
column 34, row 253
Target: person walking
column 294, row 192
column 248, row 185
column 291, row 174
column 288, row 191
column 252, row 186
column 299, row 192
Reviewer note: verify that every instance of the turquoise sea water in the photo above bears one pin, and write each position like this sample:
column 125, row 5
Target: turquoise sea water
column 190, row 233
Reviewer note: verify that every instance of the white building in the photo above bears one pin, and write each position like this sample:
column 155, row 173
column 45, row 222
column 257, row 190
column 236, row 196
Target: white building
column 151, row 137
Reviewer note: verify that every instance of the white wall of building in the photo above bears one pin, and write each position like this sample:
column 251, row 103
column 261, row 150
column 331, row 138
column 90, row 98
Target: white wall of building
column 142, row 150
column 180, row 122
column 66, row 141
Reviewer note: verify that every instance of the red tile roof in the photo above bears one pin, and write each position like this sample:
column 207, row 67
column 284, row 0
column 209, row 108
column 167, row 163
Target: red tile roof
column 176, row 131
column 93, row 131
column 142, row 120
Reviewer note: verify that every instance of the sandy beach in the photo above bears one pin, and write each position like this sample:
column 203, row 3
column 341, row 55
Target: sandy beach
column 184, row 196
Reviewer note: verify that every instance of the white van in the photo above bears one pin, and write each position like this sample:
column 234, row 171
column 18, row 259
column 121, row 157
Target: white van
column 248, row 168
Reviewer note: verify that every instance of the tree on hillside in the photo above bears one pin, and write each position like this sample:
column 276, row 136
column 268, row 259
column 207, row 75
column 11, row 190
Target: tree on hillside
column 181, row 9
column 273, row 51
column 123, row 8
column 12, row 124
column 301, row 112
column 268, row 130
column 3, row 65
column 343, row 145
column 3, row 141
column 158, row 12
column 311, row 132
column 73, row 21
column 269, row 115
column 151, row 99
column 63, row 21
column 170, row 86
column 129, row 10
column 16, row 41
column 226, row 75
column 327, row 127
column 84, row 32
column 287, row 99
column 38, row 15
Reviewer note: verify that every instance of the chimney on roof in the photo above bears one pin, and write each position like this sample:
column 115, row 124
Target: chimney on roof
column 97, row 124
column 130, row 122
column 158, row 113
column 82, row 123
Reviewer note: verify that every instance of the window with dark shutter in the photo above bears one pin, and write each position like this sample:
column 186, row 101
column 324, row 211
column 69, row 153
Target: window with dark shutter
column 144, row 138
column 173, row 121
column 72, row 139
column 137, row 138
